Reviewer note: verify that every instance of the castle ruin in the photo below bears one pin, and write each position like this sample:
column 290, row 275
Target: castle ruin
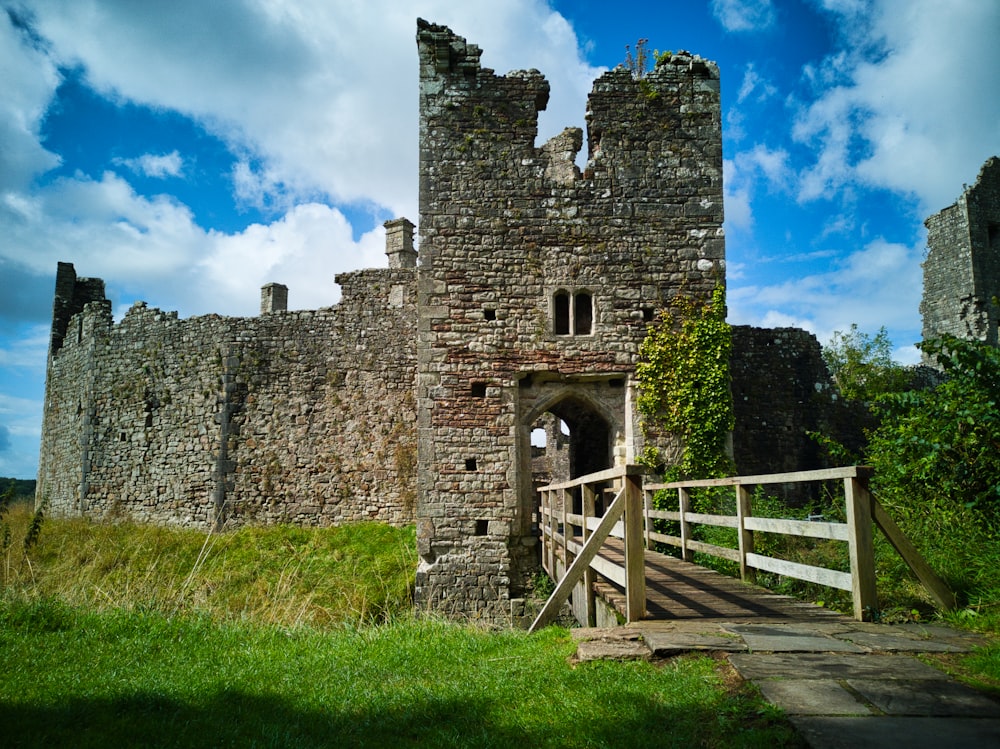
column 962, row 268
column 413, row 399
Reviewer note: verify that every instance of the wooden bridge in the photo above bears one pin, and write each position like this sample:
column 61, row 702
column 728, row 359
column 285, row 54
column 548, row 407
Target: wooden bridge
column 608, row 554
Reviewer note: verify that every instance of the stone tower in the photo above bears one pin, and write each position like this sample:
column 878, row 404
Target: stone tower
column 962, row 269
column 536, row 286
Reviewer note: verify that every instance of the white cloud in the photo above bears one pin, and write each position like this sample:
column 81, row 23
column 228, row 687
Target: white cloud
column 913, row 109
column 755, row 87
column 854, row 291
column 321, row 94
column 30, row 79
column 157, row 166
column 744, row 15
column 27, row 352
column 744, row 174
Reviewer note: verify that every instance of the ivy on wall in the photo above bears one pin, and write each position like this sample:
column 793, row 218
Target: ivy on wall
column 683, row 376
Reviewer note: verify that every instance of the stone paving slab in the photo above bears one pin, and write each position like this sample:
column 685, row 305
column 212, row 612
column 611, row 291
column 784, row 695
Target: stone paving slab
column 812, row 697
column 883, row 732
column 758, row 666
column 776, row 638
column 890, row 642
column 842, row 683
column 928, row 697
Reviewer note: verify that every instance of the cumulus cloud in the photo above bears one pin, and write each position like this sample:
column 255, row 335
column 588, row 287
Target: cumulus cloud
column 744, row 15
column 887, row 113
column 750, row 170
column 30, row 80
column 157, row 166
column 20, row 430
column 321, row 95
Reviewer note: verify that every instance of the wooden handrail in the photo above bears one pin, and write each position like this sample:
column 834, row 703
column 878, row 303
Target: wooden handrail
column 634, row 503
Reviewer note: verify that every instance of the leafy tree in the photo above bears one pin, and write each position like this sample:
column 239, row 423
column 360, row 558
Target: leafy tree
column 862, row 367
column 943, row 444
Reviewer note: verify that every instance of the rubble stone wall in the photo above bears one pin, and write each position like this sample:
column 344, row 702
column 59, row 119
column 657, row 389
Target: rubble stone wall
column 305, row 417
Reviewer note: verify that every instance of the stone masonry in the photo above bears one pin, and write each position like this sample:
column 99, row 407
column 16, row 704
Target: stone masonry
column 212, row 419
column 537, row 282
column 962, row 269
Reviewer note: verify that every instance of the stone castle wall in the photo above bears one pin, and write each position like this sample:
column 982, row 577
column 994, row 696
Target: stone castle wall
column 962, row 268
column 304, row 417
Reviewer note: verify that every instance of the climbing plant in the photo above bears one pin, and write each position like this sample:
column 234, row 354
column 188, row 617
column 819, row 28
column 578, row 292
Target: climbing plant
column 683, row 376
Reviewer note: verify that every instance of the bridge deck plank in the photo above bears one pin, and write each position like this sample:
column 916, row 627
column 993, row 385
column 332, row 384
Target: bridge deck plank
column 676, row 589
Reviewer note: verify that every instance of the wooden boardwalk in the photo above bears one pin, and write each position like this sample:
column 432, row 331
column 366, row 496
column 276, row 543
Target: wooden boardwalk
column 676, row 589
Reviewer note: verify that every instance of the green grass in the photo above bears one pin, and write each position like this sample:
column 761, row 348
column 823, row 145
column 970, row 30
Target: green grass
column 131, row 678
column 279, row 574
column 130, row 635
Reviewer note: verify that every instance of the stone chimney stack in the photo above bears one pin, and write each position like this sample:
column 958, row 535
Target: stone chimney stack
column 399, row 243
column 273, row 298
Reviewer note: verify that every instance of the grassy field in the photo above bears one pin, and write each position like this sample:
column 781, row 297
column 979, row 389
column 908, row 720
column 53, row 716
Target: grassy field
column 126, row 635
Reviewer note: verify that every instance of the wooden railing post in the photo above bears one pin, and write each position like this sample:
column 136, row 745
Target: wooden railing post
column 743, row 511
column 545, row 529
column 861, row 548
column 684, row 507
column 589, row 603
column 635, row 561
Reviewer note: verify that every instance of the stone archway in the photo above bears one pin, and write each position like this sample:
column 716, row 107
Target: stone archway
column 584, row 421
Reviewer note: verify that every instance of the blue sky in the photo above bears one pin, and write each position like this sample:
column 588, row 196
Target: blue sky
column 190, row 152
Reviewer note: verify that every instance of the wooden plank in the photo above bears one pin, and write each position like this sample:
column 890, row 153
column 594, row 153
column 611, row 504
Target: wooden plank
column 934, row 585
column 722, row 521
column 589, row 604
column 610, row 474
column 635, row 561
column 861, row 549
column 665, row 539
column 807, row 528
column 565, row 586
column 605, row 567
column 825, row 474
column 732, row 555
column 665, row 514
column 820, row 575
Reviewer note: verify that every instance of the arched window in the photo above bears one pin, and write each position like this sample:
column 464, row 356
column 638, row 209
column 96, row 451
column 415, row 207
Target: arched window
column 573, row 313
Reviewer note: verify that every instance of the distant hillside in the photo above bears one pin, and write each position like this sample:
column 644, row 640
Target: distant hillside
column 23, row 488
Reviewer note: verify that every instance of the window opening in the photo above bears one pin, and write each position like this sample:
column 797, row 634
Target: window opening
column 470, row 464
column 561, row 310
column 482, row 527
column 584, row 318
column 489, row 314
column 478, row 389
column 573, row 313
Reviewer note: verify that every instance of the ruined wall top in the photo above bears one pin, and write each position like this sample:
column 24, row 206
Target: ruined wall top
column 962, row 269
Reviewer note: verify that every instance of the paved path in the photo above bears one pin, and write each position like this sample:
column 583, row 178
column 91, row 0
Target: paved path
column 842, row 683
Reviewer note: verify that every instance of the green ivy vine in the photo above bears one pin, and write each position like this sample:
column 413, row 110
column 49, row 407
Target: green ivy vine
column 683, row 377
